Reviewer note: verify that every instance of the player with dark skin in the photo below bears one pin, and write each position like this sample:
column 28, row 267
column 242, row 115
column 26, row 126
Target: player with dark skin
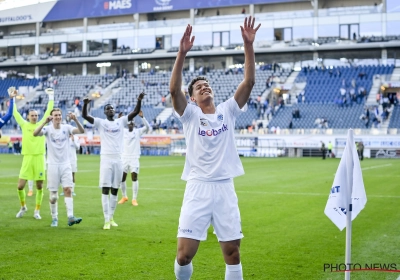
column 110, row 113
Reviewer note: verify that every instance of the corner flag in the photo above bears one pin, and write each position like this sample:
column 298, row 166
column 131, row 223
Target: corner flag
column 348, row 187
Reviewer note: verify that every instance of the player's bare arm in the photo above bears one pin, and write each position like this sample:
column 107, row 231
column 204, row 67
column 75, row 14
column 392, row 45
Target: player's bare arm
column 145, row 122
column 178, row 98
column 79, row 128
column 85, row 115
column 136, row 111
column 242, row 94
column 38, row 130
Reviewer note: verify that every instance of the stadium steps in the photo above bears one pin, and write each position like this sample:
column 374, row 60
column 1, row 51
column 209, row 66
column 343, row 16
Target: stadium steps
column 22, row 102
column 165, row 114
column 385, row 124
column 295, row 89
column 396, row 74
column 108, row 94
column 376, row 84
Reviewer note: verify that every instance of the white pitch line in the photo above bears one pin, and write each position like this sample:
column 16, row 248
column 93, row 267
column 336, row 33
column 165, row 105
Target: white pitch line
column 376, row 166
column 373, row 167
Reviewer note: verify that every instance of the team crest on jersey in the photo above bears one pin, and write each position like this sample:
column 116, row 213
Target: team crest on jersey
column 220, row 117
column 203, row 122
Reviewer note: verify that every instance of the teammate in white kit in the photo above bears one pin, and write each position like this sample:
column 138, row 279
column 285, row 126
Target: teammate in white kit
column 58, row 162
column 130, row 158
column 74, row 145
column 212, row 160
column 112, row 140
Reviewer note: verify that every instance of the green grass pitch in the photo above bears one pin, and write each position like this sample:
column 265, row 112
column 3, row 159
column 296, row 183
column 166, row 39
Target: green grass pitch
column 282, row 201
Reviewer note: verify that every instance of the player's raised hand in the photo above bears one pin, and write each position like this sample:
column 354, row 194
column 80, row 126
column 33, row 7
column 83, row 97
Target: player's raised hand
column 49, row 119
column 248, row 30
column 120, row 115
column 12, row 92
column 187, row 41
column 141, row 95
column 72, row 116
column 86, row 100
column 141, row 113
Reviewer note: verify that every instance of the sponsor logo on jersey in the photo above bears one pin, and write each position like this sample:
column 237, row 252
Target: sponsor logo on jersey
column 213, row 132
column 220, row 117
column 57, row 139
column 203, row 122
column 117, row 5
column 115, row 130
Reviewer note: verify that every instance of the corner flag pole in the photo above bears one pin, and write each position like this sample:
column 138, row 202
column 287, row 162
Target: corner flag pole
column 350, row 165
column 348, row 241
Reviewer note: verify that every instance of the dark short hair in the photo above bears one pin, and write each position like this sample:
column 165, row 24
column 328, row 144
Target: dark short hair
column 108, row 105
column 198, row 78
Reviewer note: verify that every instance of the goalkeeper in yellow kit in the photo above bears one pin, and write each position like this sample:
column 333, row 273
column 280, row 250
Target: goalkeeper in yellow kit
column 33, row 150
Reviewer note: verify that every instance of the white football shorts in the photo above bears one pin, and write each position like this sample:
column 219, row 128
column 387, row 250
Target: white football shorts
column 130, row 165
column 110, row 172
column 206, row 203
column 74, row 167
column 58, row 174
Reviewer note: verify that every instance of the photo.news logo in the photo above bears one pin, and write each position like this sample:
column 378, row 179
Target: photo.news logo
column 357, row 267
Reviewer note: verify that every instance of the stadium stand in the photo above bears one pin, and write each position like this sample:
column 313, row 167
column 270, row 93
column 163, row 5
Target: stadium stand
column 322, row 92
column 70, row 88
column 395, row 118
column 312, row 116
column 323, row 85
column 6, row 83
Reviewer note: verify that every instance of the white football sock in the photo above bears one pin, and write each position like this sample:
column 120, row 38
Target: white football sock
column 105, row 201
column 135, row 189
column 69, row 204
column 183, row 272
column 123, row 188
column 234, row 272
column 113, row 205
column 54, row 210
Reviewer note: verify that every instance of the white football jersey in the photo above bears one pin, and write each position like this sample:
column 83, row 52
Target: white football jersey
column 73, row 146
column 57, row 143
column 111, row 135
column 132, row 140
column 211, row 153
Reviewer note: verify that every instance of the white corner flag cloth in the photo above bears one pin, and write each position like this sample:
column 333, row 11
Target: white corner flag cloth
column 347, row 187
